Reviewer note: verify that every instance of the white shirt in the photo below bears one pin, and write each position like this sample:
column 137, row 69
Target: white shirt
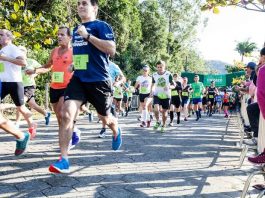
column 11, row 71
column 145, row 84
column 162, row 85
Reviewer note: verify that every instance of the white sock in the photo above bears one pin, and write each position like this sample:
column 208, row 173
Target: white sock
column 144, row 115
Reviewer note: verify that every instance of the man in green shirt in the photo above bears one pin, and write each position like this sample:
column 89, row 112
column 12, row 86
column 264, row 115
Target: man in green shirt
column 30, row 87
column 197, row 92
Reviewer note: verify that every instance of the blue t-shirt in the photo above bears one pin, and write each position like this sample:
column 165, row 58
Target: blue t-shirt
column 114, row 70
column 91, row 64
column 218, row 98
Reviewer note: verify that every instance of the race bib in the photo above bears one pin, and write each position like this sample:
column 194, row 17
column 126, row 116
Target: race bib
column 185, row 94
column 2, row 68
column 211, row 96
column 80, row 62
column 144, row 90
column 162, row 96
column 58, row 77
column 174, row 93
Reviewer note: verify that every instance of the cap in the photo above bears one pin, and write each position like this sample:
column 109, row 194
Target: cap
column 146, row 67
column 212, row 81
column 251, row 65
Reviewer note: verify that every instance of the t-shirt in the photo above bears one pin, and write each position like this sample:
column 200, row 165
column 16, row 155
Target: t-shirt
column 28, row 80
column 114, row 71
column 118, row 90
column 185, row 94
column 162, row 84
column 10, row 72
column 176, row 91
column 211, row 92
column 197, row 89
column 218, row 98
column 91, row 64
column 145, row 84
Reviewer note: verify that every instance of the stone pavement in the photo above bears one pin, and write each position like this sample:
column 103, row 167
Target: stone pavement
column 194, row 159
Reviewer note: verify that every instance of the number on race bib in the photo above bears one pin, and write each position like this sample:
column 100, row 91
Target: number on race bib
column 58, row 77
column 80, row 62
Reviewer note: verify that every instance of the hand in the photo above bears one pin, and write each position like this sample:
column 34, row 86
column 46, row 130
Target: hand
column 30, row 71
column 71, row 68
column 81, row 30
column 2, row 57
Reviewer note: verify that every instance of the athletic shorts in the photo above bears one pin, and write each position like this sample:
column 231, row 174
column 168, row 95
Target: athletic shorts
column 142, row 97
column 226, row 104
column 56, row 94
column 211, row 100
column 125, row 99
column 185, row 101
column 29, row 92
column 204, row 101
column 15, row 90
column 196, row 100
column 165, row 103
column 130, row 99
column 96, row 93
column 175, row 100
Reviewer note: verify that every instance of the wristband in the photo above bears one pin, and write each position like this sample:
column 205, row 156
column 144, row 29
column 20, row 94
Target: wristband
column 88, row 37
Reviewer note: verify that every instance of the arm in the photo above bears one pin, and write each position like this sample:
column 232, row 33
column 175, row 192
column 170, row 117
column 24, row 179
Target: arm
column 20, row 61
column 106, row 46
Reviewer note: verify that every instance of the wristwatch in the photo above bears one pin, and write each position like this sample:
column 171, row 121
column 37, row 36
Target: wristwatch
column 88, row 37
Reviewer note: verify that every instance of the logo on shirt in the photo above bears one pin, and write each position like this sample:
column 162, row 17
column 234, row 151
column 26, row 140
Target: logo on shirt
column 161, row 82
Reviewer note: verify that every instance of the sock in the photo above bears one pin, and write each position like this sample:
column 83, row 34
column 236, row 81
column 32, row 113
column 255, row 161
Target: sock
column 171, row 113
column 197, row 114
column 144, row 114
column 178, row 114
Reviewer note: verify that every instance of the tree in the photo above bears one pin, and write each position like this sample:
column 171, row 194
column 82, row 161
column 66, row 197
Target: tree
column 253, row 5
column 245, row 48
column 236, row 67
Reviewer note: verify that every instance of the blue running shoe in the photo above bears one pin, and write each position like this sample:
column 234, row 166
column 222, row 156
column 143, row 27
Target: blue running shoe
column 117, row 141
column 61, row 166
column 47, row 118
column 22, row 145
column 76, row 138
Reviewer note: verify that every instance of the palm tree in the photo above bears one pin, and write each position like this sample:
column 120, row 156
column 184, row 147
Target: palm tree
column 245, row 48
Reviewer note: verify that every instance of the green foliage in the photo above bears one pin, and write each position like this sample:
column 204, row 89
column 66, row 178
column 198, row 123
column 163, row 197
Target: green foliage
column 254, row 5
column 236, row 67
column 245, row 48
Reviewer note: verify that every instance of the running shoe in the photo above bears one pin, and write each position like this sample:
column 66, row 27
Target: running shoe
column 250, row 142
column 197, row 118
column 157, row 125
column 258, row 160
column 178, row 121
column 61, row 166
column 162, row 130
column 139, row 118
column 102, row 133
column 47, row 118
column 143, row 124
column 76, row 138
column 33, row 131
column 117, row 140
column 21, row 145
column 170, row 124
column 185, row 119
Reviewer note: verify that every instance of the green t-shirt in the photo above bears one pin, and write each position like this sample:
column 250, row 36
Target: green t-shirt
column 28, row 80
column 197, row 90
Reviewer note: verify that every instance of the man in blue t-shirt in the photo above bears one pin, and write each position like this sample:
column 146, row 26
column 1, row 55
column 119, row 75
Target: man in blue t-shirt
column 93, row 42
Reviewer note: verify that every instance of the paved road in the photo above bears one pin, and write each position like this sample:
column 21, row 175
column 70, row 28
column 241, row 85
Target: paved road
column 194, row 159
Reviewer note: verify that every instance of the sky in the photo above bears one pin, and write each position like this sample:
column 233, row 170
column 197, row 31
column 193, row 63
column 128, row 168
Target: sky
column 218, row 40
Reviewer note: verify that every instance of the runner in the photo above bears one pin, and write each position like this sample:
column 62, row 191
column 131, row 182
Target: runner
column 93, row 42
column 114, row 71
column 119, row 88
column 226, row 103
column 127, row 98
column 185, row 95
column 144, row 82
column 197, row 92
column 211, row 92
column 218, row 102
column 162, row 83
column 30, row 87
column 11, row 61
column 175, row 100
column 204, row 102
